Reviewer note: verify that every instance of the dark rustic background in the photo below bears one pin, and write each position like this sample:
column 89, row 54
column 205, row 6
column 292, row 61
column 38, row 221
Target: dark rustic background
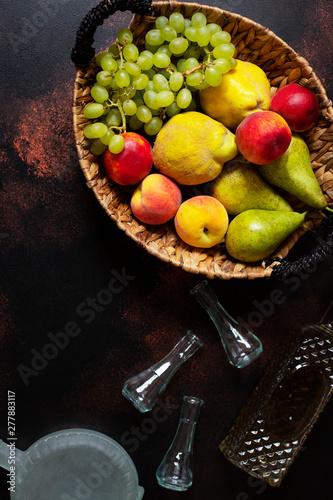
column 58, row 249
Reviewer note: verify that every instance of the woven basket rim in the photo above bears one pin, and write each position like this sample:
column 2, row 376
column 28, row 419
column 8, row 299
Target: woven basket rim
column 168, row 247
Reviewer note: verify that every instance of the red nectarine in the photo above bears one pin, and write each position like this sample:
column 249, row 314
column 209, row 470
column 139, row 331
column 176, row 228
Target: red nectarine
column 133, row 163
column 298, row 106
column 263, row 137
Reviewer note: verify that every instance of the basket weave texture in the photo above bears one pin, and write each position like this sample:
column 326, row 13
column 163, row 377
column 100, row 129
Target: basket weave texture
column 282, row 65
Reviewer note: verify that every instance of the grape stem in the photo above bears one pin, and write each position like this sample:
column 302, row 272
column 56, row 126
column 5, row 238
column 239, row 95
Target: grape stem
column 122, row 114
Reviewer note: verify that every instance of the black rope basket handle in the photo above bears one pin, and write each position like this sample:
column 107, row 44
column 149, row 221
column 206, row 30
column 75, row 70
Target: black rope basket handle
column 83, row 51
column 323, row 249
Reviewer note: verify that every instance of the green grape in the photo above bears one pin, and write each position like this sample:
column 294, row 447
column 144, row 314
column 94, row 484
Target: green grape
column 151, row 48
column 161, row 60
column 144, row 62
column 108, row 63
column 191, row 63
column 194, row 79
column 130, row 52
column 203, row 36
column 99, row 93
column 154, row 126
column 191, row 33
column 97, row 130
column 154, row 37
column 98, row 147
column 222, row 65
column 93, row 110
column 117, row 144
column 203, row 85
column 220, row 37
column 144, row 114
column 140, row 82
column 124, row 35
column 193, row 51
column 149, row 98
column 161, row 21
column 155, row 112
column 187, row 23
column 165, row 73
column 104, row 78
column 213, row 77
column 130, row 92
column 177, row 21
column 129, row 107
column 213, row 28
column 113, row 118
column 150, row 86
column 150, row 73
column 173, row 109
column 224, row 50
column 122, row 78
column 160, row 83
column 164, row 99
column 107, row 137
column 165, row 49
column 180, row 65
column 184, row 98
column 176, row 81
column 87, row 132
column 135, row 123
column 99, row 57
column 169, row 33
column 198, row 19
column 233, row 63
column 192, row 106
column 114, row 50
column 138, row 102
column 147, row 53
column 178, row 45
column 113, row 85
column 132, row 68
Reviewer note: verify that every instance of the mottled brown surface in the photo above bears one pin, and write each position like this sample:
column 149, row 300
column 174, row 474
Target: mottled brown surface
column 58, row 248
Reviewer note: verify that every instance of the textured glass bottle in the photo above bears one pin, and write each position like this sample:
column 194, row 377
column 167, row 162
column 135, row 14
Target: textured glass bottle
column 144, row 390
column 175, row 470
column 241, row 346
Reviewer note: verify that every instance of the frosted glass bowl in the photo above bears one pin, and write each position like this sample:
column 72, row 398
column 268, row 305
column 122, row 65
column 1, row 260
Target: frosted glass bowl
column 73, row 464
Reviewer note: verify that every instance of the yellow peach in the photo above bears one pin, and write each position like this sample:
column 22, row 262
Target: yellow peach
column 201, row 221
column 156, row 199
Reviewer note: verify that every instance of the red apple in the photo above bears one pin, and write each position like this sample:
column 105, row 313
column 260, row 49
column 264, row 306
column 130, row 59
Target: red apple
column 156, row 199
column 133, row 163
column 263, row 137
column 298, row 106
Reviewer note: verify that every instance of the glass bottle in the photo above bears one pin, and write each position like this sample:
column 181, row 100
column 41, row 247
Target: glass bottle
column 241, row 346
column 144, row 390
column 285, row 405
column 175, row 470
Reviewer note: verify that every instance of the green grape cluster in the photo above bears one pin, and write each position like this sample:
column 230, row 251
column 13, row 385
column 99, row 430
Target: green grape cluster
column 140, row 89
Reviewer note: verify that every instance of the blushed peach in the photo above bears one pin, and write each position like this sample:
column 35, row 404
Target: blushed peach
column 201, row 221
column 156, row 199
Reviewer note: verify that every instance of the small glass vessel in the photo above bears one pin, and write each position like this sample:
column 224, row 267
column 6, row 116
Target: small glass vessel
column 144, row 390
column 175, row 470
column 241, row 346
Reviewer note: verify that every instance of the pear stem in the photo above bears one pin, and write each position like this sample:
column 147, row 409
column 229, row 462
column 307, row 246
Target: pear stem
column 329, row 209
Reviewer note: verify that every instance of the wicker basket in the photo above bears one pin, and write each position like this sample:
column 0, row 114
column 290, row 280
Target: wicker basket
column 282, row 65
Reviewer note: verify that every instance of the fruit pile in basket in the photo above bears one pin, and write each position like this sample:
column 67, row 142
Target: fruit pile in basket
column 216, row 128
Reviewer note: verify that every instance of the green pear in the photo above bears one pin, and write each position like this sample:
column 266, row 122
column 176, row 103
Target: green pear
column 293, row 173
column 240, row 187
column 254, row 234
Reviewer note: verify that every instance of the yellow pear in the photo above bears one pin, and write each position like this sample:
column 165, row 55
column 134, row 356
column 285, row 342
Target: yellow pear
column 192, row 148
column 243, row 90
